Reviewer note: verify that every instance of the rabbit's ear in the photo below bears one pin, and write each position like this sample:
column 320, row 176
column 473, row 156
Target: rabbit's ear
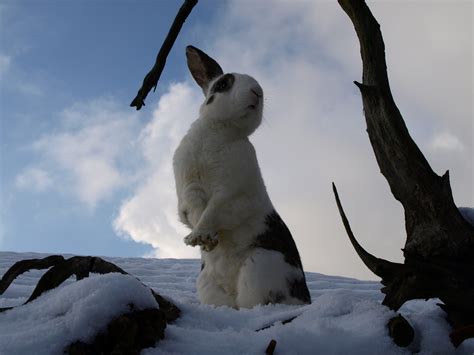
column 202, row 67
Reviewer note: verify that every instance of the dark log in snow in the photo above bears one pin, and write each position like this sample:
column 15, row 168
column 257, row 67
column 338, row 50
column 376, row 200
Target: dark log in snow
column 128, row 333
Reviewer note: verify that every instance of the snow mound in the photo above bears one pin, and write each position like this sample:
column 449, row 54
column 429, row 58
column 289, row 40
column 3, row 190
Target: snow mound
column 346, row 316
column 77, row 311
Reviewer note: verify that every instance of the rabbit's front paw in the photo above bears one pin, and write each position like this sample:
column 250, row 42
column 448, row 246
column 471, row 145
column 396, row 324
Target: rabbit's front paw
column 206, row 239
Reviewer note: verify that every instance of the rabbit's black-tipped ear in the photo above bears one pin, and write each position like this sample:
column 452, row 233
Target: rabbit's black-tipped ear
column 202, row 67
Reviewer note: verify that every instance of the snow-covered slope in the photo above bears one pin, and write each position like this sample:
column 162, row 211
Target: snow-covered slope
column 345, row 316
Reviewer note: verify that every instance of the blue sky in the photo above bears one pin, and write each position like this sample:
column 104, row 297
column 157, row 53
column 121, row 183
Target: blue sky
column 57, row 54
column 81, row 172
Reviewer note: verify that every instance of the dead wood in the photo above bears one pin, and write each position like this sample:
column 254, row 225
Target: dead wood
column 23, row 266
column 401, row 331
column 81, row 267
column 151, row 79
column 439, row 248
column 286, row 321
column 271, row 347
column 127, row 334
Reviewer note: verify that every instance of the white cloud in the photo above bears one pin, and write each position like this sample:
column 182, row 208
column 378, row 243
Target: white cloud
column 34, row 178
column 446, row 141
column 150, row 214
column 91, row 154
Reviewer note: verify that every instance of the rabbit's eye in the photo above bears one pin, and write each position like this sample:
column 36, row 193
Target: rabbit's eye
column 223, row 84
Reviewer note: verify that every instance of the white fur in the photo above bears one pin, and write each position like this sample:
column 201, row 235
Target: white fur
column 264, row 273
column 223, row 199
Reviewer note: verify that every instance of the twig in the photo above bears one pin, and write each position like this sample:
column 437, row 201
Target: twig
column 151, row 79
column 274, row 323
column 271, row 347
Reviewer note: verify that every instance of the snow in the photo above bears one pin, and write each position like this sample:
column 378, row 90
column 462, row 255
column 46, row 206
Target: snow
column 345, row 317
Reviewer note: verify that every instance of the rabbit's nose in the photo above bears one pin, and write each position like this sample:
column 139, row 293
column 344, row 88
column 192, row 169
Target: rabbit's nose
column 257, row 90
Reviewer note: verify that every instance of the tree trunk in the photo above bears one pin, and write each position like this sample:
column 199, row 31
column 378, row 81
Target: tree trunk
column 439, row 249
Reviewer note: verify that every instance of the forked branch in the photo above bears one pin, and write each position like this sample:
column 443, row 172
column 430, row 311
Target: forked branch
column 79, row 266
column 433, row 223
column 26, row 265
column 439, row 250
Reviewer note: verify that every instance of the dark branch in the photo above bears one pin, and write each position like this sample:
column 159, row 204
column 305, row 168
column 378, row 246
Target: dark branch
column 80, row 266
column 23, row 266
column 401, row 331
column 172, row 312
column 271, row 347
column 385, row 269
column 433, row 223
column 286, row 321
column 151, row 79
column 439, row 250
column 129, row 333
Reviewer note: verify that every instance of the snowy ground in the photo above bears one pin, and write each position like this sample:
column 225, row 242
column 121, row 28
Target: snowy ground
column 345, row 317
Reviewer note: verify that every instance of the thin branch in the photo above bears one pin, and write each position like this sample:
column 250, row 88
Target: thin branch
column 383, row 268
column 80, row 266
column 23, row 266
column 286, row 321
column 151, row 79
column 271, row 347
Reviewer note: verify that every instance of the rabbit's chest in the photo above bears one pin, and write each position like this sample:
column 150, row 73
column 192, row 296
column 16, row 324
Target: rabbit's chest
column 205, row 162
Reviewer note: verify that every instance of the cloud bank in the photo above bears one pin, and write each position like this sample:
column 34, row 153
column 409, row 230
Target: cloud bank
column 91, row 156
column 150, row 214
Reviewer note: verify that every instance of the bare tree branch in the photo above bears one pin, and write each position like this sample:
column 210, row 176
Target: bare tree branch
column 380, row 267
column 433, row 223
column 439, row 249
column 23, row 266
column 271, row 347
column 81, row 267
column 151, row 79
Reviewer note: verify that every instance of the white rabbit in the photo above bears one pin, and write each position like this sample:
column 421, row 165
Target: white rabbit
column 248, row 254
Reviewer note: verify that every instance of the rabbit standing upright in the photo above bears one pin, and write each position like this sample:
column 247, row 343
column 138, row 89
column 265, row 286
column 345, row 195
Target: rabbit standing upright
column 248, row 254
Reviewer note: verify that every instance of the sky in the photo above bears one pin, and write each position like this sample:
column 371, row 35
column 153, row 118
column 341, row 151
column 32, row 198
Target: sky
column 82, row 172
